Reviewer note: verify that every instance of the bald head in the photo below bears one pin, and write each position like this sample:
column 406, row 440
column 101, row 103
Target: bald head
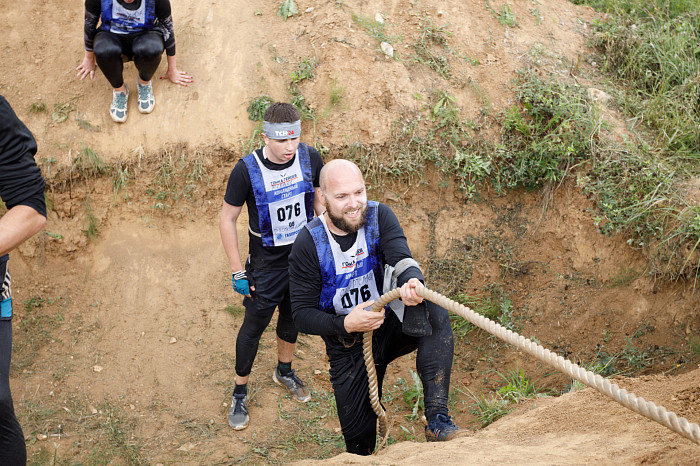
column 335, row 171
column 344, row 195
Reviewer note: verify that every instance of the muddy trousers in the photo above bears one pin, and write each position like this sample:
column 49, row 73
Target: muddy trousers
column 349, row 375
column 271, row 291
column 111, row 50
column 12, row 448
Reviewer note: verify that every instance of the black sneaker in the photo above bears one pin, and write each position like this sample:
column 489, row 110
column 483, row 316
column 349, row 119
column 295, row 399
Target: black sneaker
column 238, row 414
column 442, row 429
column 294, row 384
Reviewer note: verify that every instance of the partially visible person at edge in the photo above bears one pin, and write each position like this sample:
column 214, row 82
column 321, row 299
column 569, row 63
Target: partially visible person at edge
column 336, row 272
column 137, row 30
column 277, row 183
column 22, row 191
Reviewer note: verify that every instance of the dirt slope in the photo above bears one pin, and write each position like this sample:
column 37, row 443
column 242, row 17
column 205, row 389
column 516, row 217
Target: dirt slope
column 124, row 345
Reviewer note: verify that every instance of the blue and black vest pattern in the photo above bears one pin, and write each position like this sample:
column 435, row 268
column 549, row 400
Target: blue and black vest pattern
column 119, row 20
column 354, row 276
column 284, row 198
column 5, row 290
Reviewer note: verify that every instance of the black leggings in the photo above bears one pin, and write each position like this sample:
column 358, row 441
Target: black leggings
column 12, row 448
column 145, row 48
column 271, row 291
column 349, row 375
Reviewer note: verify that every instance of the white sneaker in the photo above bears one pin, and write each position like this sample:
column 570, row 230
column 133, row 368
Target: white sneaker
column 119, row 105
column 146, row 98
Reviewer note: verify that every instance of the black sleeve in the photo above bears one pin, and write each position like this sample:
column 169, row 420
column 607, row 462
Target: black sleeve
column 316, row 165
column 165, row 19
column 21, row 182
column 394, row 244
column 93, row 9
column 238, row 188
column 305, row 290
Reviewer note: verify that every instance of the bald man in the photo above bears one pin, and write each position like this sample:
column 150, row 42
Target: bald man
column 337, row 271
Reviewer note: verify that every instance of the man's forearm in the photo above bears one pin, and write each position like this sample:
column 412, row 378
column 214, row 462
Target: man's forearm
column 17, row 225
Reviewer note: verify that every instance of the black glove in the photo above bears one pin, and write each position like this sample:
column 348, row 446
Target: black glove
column 415, row 321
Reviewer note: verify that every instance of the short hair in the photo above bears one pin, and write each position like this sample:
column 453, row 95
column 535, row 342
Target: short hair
column 281, row 112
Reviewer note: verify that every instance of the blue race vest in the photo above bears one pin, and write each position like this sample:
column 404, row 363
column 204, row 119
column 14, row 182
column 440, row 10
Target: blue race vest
column 284, row 198
column 351, row 277
column 119, row 20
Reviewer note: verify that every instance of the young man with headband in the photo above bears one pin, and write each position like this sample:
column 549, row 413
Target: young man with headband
column 339, row 266
column 277, row 183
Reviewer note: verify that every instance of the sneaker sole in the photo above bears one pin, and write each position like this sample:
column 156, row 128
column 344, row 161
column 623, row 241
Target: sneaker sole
column 430, row 437
column 238, row 427
column 148, row 110
column 279, row 382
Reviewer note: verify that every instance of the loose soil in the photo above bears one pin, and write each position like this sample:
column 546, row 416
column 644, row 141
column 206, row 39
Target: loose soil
column 124, row 342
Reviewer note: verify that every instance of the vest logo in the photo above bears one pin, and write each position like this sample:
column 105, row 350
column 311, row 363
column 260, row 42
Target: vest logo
column 289, row 133
column 348, row 264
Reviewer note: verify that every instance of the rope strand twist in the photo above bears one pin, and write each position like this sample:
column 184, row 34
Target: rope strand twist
column 627, row 399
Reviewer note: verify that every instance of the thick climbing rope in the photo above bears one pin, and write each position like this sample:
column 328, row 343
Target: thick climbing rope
column 639, row 405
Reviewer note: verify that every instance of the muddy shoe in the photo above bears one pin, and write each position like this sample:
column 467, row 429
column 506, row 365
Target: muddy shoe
column 442, row 429
column 119, row 103
column 294, row 384
column 238, row 414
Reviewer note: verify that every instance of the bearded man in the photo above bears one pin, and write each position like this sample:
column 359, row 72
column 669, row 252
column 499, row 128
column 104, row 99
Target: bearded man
column 338, row 268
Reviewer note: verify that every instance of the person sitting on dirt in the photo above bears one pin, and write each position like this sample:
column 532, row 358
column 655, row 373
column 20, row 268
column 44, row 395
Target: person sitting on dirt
column 22, row 191
column 136, row 30
column 337, row 271
column 277, row 183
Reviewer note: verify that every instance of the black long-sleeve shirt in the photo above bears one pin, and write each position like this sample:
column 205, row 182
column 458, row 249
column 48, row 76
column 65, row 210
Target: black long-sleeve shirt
column 305, row 273
column 21, row 182
column 164, row 21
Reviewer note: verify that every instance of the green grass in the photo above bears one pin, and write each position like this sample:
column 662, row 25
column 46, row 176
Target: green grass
column 89, row 163
column 299, row 432
column 506, row 16
column 287, row 8
column 61, row 110
column 91, row 229
column 234, row 311
column 518, row 386
column 432, row 40
column 38, row 107
column 305, row 70
column 374, row 29
column 120, row 181
column 257, row 107
column 487, row 410
column 694, row 345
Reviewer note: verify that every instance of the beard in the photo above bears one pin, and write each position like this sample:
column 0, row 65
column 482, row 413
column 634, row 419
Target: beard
column 342, row 224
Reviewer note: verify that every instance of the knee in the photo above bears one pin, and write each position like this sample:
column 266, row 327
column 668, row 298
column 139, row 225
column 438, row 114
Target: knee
column 148, row 47
column 438, row 316
column 106, row 49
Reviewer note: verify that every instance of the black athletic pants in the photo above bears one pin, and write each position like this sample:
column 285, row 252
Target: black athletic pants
column 145, row 48
column 12, row 448
column 349, row 375
column 271, row 291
